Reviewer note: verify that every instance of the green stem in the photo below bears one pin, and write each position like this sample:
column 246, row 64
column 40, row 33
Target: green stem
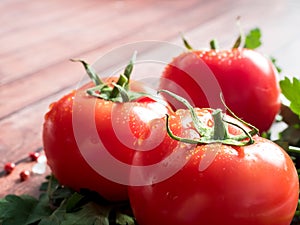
column 241, row 136
column 119, row 92
column 220, row 132
column 124, row 78
column 122, row 82
column 217, row 134
column 122, row 92
column 214, row 44
column 173, row 136
column 186, row 43
column 201, row 128
column 237, row 42
column 241, row 38
column 90, row 71
column 253, row 131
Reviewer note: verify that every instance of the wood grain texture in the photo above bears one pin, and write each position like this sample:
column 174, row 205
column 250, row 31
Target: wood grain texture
column 37, row 39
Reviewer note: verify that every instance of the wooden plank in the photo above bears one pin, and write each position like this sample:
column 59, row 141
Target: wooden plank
column 79, row 32
column 51, row 79
column 12, row 184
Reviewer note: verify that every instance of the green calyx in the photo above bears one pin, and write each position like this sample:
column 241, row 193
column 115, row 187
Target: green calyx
column 216, row 134
column 251, row 40
column 186, row 43
column 119, row 91
column 214, row 44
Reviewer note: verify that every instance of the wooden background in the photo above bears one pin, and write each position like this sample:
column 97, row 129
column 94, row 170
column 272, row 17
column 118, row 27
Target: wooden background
column 37, row 39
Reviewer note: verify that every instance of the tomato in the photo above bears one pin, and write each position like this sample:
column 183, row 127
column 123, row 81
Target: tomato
column 79, row 130
column 255, row 183
column 247, row 79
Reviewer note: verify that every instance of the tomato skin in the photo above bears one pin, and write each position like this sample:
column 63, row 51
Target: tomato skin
column 60, row 142
column 254, row 184
column 247, row 79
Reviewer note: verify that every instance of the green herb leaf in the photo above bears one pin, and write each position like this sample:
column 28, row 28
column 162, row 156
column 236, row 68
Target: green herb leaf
column 23, row 210
column 90, row 214
column 73, row 203
column 123, row 219
column 56, row 217
column 59, row 205
column 291, row 90
column 252, row 40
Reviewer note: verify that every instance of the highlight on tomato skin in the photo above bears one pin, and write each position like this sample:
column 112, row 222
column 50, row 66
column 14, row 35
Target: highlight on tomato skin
column 247, row 79
column 251, row 184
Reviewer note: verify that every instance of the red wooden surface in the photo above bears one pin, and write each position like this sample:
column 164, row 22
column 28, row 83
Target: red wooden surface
column 37, row 39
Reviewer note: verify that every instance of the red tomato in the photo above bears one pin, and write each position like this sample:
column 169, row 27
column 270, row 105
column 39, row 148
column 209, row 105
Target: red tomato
column 80, row 128
column 247, row 79
column 219, row 184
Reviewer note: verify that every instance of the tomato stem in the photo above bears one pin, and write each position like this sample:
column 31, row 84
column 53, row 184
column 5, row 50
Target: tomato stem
column 170, row 133
column 241, row 38
column 251, row 133
column 120, row 90
column 201, row 128
column 124, row 78
column 220, row 131
column 217, row 134
column 186, row 43
column 90, row 71
column 214, row 44
column 122, row 82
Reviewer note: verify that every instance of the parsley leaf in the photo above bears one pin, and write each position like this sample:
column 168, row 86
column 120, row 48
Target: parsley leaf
column 22, row 210
column 91, row 213
column 59, row 205
column 56, row 217
column 123, row 219
column 291, row 90
column 252, row 40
